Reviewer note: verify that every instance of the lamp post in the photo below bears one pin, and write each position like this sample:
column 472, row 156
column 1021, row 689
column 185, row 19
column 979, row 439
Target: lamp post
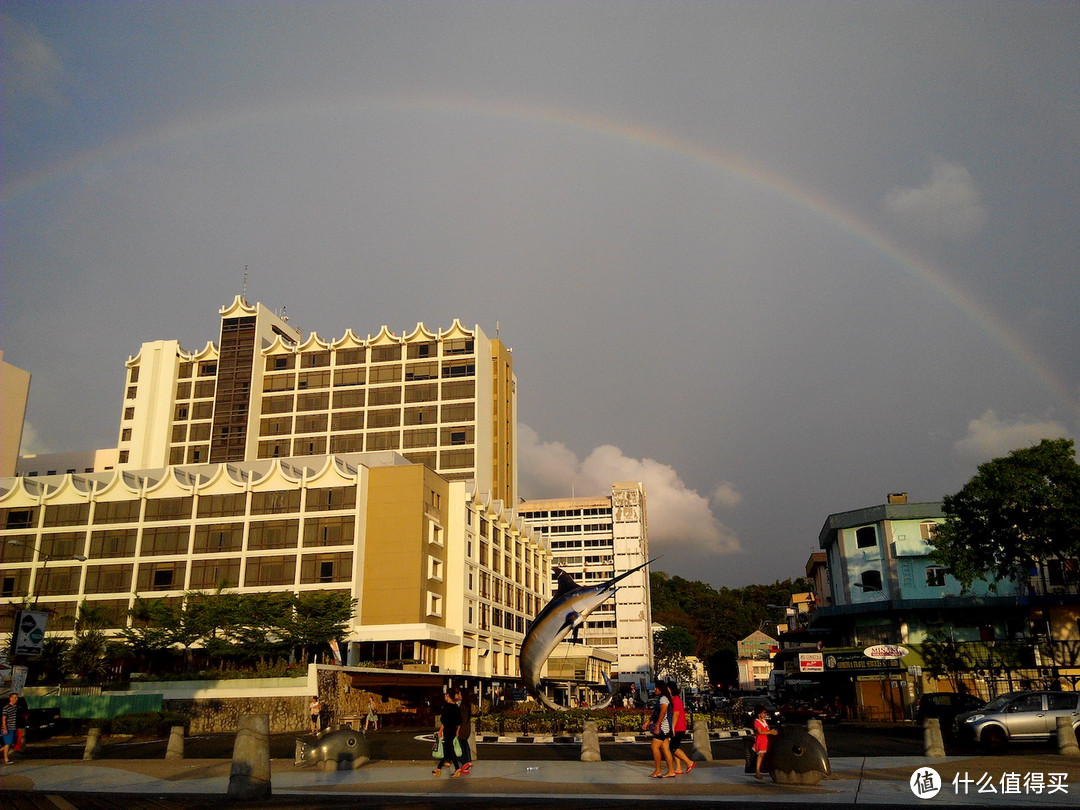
column 30, row 624
column 35, row 550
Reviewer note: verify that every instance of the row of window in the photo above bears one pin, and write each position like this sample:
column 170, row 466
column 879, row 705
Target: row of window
column 154, row 541
column 375, row 375
column 359, row 355
column 173, row 575
column 560, row 513
column 318, row 499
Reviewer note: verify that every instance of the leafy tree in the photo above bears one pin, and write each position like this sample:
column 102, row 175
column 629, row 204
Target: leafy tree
column 1017, row 512
column 318, row 617
column 717, row 619
column 670, row 648
column 87, row 656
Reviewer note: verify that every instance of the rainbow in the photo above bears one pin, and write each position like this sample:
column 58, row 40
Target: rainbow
column 611, row 129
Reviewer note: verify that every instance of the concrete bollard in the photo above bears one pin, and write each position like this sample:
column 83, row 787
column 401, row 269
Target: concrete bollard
column 701, row 750
column 472, row 742
column 816, row 730
column 176, row 743
column 250, row 775
column 590, row 742
column 933, row 743
column 93, row 744
column 1066, row 738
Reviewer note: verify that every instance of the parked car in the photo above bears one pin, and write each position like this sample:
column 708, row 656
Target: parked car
column 743, row 711
column 1018, row 716
column 799, row 711
column 945, row 706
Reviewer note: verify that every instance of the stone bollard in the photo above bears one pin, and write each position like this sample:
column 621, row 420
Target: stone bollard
column 250, row 776
column 590, row 742
column 815, row 729
column 176, row 743
column 701, row 750
column 93, row 744
column 1066, row 738
column 472, row 742
column 933, row 743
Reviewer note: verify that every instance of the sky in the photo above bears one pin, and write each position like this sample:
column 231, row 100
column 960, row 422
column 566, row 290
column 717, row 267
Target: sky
column 776, row 260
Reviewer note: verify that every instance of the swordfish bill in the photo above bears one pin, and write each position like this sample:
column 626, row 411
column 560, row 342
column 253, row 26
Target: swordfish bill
column 566, row 612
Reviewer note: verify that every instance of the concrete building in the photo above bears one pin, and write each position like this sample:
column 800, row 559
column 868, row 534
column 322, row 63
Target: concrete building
column 447, row 399
column 443, row 576
column 595, row 539
column 14, row 390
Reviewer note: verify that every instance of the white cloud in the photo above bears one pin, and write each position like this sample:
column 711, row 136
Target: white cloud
column 32, row 68
column 32, row 444
column 726, row 495
column 679, row 517
column 989, row 436
column 948, row 206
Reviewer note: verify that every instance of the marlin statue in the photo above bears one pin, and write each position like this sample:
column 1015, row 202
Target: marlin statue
column 566, row 612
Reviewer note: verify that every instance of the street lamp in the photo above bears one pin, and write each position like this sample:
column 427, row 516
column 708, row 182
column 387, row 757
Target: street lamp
column 30, row 594
column 30, row 624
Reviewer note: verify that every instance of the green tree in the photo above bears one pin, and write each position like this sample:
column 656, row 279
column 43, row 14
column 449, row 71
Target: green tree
column 317, row 617
column 87, row 656
column 670, row 648
column 1017, row 512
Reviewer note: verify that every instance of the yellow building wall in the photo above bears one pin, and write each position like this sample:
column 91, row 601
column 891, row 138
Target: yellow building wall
column 396, row 565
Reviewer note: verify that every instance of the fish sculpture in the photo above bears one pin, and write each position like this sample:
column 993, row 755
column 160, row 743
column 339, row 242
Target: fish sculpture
column 335, row 751
column 565, row 613
column 795, row 757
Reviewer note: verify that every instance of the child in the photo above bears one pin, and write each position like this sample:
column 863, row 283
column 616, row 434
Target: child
column 762, row 732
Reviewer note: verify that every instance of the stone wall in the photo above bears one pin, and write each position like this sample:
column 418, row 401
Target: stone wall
column 222, row 715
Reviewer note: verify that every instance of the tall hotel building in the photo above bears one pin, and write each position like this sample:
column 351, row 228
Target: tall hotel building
column 593, row 540
column 384, row 467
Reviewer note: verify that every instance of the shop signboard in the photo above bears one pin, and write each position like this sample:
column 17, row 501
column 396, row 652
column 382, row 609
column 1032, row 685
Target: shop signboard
column 856, row 662
column 885, row 652
column 811, row 662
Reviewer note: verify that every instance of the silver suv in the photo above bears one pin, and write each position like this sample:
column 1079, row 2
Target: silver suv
column 1018, row 716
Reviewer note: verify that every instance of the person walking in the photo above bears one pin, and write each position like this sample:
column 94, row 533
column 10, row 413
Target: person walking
column 659, row 725
column 449, row 723
column 315, row 710
column 678, row 731
column 762, row 732
column 464, row 730
column 372, row 718
column 8, row 725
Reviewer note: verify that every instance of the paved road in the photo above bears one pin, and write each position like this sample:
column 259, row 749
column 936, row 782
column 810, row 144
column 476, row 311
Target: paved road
column 843, row 740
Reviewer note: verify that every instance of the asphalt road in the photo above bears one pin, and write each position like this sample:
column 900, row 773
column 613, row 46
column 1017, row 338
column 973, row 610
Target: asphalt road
column 843, row 740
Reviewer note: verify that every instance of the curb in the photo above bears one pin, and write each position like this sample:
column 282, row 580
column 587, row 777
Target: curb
column 575, row 739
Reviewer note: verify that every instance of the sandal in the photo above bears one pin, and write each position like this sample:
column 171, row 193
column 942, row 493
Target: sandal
column 437, row 772
column 456, row 774
column 690, row 767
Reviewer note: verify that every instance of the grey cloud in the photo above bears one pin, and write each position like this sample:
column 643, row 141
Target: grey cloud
column 947, row 206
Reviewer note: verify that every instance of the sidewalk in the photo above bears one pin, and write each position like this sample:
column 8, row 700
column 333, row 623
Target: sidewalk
column 1043, row 781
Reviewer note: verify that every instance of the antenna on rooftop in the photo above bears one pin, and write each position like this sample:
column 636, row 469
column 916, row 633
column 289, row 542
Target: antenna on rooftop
column 496, row 328
column 243, row 291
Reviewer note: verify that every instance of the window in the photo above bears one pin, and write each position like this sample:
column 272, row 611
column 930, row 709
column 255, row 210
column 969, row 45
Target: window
column 328, row 531
column 168, row 508
column 69, row 514
column 866, row 537
column 935, row 577
column 270, row 571
column 871, row 581
column 435, row 568
column 165, row 540
column 434, row 604
column 275, row 501
column 211, row 574
column 224, row 537
column 116, row 512
column 108, row 578
column 269, row 534
column 385, row 354
column 323, row 499
column 323, row 568
column 927, row 530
